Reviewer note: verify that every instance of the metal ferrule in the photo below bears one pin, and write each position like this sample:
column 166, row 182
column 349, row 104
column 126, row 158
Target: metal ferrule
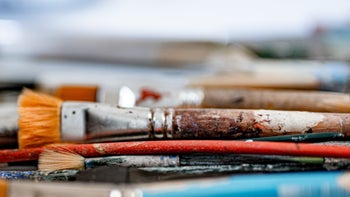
column 89, row 121
column 105, row 121
column 168, row 125
column 163, row 122
column 73, row 121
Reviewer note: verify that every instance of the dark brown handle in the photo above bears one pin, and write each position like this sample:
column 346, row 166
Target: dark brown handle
column 237, row 124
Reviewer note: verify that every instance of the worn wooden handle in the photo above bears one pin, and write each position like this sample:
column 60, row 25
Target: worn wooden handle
column 302, row 81
column 237, row 124
column 316, row 101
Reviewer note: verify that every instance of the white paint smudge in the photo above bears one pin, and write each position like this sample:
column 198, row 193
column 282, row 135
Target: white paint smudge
column 285, row 121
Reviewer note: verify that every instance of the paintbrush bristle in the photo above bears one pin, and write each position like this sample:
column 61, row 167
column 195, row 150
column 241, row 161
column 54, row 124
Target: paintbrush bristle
column 39, row 119
column 51, row 160
column 77, row 93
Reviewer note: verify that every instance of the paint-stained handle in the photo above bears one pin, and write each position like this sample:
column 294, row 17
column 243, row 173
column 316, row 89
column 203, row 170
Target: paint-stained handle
column 236, row 124
column 316, row 101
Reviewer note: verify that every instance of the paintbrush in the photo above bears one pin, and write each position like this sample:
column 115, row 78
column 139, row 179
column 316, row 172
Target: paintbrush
column 175, row 147
column 239, row 98
column 51, row 160
column 44, row 119
column 281, row 184
column 161, row 174
column 309, row 137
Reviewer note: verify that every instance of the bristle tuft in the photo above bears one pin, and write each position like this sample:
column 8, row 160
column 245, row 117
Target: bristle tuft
column 39, row 119
column 29, row 98
column 51, row 160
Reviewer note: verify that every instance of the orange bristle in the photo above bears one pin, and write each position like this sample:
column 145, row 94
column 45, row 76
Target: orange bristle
column 77, row 93
column 39, row 119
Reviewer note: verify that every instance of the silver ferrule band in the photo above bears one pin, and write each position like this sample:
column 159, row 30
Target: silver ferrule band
column 88, row 121
column 73, row 121
column 109, row 121
column 162, row 122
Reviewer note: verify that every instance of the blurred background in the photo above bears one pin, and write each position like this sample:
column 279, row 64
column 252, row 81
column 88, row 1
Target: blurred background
column 46, row 43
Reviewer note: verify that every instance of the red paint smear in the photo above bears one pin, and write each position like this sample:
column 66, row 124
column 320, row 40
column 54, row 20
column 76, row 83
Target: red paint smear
column 148, row 93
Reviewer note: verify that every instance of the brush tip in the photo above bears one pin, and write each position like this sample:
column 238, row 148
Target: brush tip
column 39, row 119
column 52, row 160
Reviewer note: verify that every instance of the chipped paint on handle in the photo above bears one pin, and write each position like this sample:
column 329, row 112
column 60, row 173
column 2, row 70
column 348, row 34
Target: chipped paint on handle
column 134, row 161
column 286, row 122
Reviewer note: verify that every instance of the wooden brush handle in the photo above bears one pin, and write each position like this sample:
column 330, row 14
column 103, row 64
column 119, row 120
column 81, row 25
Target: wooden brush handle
column 276, row 99
column 256, row 80
column 236, row 124
column 182, row 147
column 200, row 123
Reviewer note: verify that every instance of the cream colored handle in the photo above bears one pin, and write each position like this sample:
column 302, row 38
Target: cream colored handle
column 316, row 101
column 251, row 80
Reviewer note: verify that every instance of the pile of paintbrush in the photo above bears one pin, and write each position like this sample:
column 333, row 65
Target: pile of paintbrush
column 67, row 139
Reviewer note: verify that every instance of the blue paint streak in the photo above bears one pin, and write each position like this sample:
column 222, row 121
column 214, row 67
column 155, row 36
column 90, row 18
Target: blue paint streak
column 310, row 184
column 13, row 175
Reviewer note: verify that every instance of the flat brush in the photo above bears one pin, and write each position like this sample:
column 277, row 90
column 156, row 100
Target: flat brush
column 174, row 147
column 238, row 98
column 45, row 119
column 51, row 160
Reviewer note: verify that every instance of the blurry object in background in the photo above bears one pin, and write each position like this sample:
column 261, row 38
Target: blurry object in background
column 275, row 80
column 49, row 75
column 335, row 43
column 129, row 51
column 323, row 43
column 10, row 32
column 20, row 8
column 8, row 124
column 312, row 184
column 178, row 33
column 278, row 48
column 324, row 75
column 238, row 98
column 8, row 119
